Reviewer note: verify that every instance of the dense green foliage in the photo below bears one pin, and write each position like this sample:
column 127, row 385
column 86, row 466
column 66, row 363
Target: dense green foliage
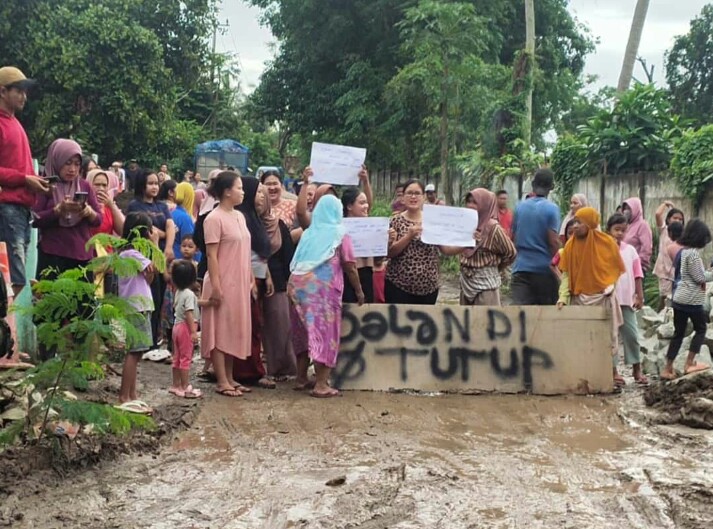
column 570, row 163
column 689, row 69
column 126, row 78
column 76, row 323
column 378, row 72
column 692, row 164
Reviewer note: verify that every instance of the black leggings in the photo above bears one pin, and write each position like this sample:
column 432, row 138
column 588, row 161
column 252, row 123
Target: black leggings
column 158, row 290
column 398, row 297
column 366, row 278
column 680, row 322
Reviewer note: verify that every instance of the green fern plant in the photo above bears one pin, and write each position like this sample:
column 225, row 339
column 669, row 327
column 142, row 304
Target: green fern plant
column 76, row 323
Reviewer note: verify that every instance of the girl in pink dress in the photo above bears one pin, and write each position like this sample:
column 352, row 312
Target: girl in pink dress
column 225, row 327
column 323, row 258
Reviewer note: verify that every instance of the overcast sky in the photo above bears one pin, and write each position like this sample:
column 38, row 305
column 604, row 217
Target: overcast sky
column 609, row 20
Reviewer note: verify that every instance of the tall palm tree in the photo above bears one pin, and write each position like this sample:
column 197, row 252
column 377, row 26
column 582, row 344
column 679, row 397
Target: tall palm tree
column 632, row 47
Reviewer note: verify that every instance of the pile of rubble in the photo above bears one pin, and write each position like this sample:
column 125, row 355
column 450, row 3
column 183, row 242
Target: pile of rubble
column 655, row 333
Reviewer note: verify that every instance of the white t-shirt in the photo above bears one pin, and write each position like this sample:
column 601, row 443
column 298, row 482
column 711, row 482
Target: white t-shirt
column 183, row 301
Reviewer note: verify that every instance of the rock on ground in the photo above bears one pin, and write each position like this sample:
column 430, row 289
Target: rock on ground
column 687, row 400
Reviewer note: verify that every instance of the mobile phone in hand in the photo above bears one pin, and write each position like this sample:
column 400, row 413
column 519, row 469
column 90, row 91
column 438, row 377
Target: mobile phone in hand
column 80, row 197
column 54, row 179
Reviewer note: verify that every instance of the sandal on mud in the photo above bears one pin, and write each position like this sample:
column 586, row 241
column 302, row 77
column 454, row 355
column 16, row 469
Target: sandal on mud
column 307, row 385
column 229, row 392
column 619, row 381
column 178, row 392
column 266, row 383
column 239, row 387
column 326, row 395
column 695, row 368
column 135, row 406
column 192, row 393
column 642, row 381
column 668, row 376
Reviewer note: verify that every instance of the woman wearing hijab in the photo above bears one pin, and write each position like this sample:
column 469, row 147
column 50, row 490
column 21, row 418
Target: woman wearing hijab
column 591, row 265
column 276, row 335
column 66, row 217
column 577, row 202
column 639, row 233
column 315, row 287
column 252, row 370
column 480, row 267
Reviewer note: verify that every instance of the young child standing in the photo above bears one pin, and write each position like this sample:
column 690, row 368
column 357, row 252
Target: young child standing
column 630, row 293
column 137, row 289
column 688, row 297
column 185, row 328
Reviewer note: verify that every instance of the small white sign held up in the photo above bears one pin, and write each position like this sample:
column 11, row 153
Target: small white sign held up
column 449, row 226
column 370, row 235
column 336, row 164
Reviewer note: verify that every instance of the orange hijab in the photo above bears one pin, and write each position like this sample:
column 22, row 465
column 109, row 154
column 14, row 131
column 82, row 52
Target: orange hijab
column 593, row 263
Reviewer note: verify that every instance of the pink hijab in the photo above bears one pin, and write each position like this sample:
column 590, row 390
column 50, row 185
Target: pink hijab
column 639, row 233
column 58, row 154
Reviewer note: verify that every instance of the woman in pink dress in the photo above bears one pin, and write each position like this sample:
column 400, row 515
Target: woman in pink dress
column 225, row 325
column 322, row 260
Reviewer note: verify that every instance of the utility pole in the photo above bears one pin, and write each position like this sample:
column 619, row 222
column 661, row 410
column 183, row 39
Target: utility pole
column 215, row 80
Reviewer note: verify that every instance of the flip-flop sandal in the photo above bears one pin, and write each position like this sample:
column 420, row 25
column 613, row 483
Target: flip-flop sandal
column 177, row 392
column 642, row 381
column 266, row 383
column 304, row 387
column 328, row 395
column 242, row 388
column 672, row 376
column 135, row 406
column 232, row 392
column 695, row 368
column 197, row 392
column 191, row 395
column 619, row 381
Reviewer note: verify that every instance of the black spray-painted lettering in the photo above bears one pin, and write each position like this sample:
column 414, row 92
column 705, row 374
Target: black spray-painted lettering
column 456, row 357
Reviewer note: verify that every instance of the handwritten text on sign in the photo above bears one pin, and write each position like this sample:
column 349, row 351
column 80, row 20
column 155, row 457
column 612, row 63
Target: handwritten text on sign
column 370, row 235
column 336, row 164
column 447, row 226
column 505, row 349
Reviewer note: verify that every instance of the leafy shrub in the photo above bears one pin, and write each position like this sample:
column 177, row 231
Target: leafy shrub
column 692, row 163
column 570, row 164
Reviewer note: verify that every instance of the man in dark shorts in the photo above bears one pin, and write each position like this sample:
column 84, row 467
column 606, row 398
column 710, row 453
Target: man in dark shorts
column 535, row 230
column 17, row 179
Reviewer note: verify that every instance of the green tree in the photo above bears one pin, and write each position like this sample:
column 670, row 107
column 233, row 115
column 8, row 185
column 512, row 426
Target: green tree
column 689, row 69
column 445, row 41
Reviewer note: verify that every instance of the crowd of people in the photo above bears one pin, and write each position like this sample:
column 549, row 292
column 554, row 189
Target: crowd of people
column 261, row 277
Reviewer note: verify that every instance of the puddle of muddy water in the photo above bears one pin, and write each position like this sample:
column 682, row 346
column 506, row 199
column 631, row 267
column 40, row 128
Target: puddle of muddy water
column 455, row 462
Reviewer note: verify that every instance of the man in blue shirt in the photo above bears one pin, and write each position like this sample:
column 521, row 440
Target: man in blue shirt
column 535, row 230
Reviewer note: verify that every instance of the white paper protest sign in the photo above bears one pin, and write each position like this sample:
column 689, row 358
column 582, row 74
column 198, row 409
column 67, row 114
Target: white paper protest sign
column 370, row 235
column 336, row 164
column 449, row 226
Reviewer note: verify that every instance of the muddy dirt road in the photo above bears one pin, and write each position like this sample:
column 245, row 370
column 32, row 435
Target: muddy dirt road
column 407, row 461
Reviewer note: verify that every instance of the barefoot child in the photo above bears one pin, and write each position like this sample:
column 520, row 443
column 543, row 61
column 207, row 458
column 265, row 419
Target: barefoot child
column 137, row 289
column 630, row 292
column 688, row 297
column 185, row 328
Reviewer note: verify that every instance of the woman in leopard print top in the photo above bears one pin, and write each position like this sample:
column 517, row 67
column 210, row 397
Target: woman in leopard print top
column 413, row 275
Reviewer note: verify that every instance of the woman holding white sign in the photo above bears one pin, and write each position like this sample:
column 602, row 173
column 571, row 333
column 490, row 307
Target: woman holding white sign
column 356, row 204
column 480, row 267
column 413, row 272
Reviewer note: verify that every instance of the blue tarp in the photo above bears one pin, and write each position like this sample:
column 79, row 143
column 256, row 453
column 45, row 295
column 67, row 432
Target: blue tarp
column 221, row 146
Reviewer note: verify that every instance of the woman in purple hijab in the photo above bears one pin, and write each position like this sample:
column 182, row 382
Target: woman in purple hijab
column 65, row 217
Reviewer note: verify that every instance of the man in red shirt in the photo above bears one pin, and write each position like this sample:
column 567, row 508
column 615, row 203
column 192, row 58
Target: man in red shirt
column 504, row 214
column 18, row 183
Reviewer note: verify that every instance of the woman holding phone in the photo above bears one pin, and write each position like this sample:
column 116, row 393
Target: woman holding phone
column 65, row 218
